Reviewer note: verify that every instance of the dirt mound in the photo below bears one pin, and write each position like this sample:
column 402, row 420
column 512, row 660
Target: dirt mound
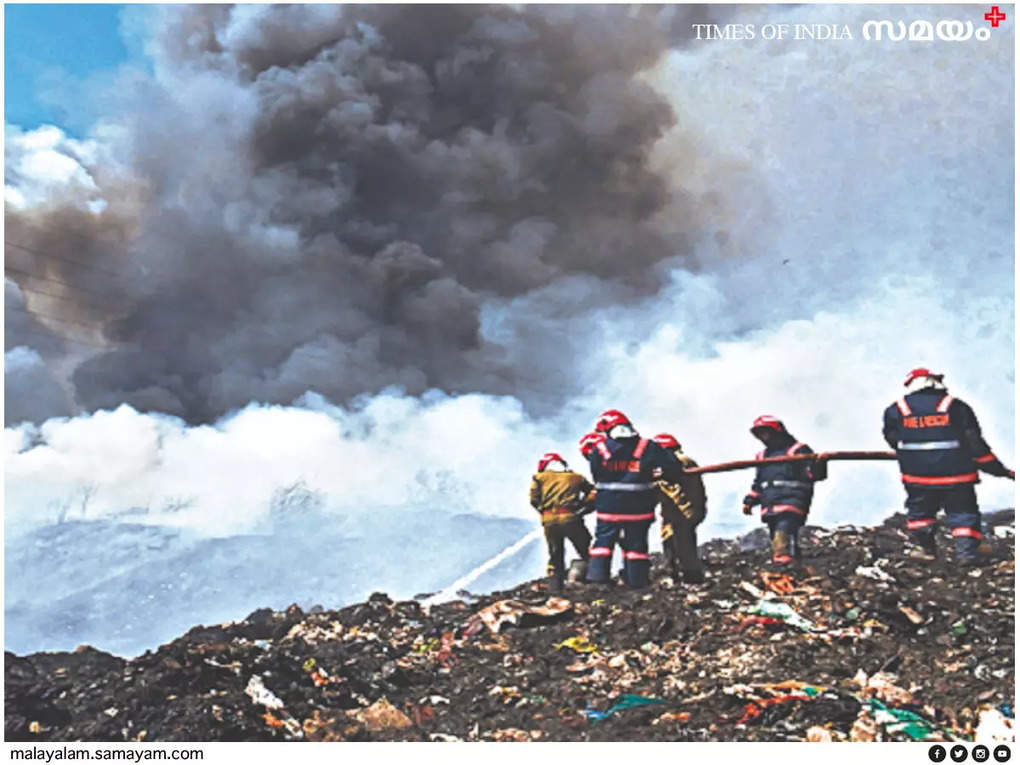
column 859, row 642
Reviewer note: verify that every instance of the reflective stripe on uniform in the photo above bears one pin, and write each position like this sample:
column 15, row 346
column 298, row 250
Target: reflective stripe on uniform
column 793, row 449
column 615, row 486
column 987, row 458
column 963, row 531
column 640, row 448
column 903, row 407
column 783, row 509
column 600, row 552
column 920, row 523
column 926, row 445
column 944, row 404
column 635, row 556
column 624, row 517
column 942, row 480
column 767, row 484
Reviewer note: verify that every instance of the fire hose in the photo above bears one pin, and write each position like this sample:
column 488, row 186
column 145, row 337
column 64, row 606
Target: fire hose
column 724, row 467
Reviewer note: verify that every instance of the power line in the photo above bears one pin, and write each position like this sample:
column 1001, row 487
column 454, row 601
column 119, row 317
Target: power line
column 35, row 290
column 136, row 281
column 72, row 261
column 15, row 269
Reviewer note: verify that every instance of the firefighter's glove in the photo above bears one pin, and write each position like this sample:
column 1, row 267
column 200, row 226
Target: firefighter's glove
column 819, row 470
column 746, row 509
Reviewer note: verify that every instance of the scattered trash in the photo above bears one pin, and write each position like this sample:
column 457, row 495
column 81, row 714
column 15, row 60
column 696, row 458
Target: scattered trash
column 874, row 572
column 706, row 663
column 818, row 733
column 513, row 734
column 760, row 696
column 904, row 721
column 513, row 612
column 911, row 614
column 781, row 584
column 668, row 717
column 262, row 695
column 626, row 701
column 382, row 715
column 993, row 726
column 780, row 610
column 578, row 644
column 882, row 685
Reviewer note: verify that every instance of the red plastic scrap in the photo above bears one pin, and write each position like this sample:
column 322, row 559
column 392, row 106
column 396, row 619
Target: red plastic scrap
column 272, row 721
column 423, row 715
column 780, row 584
column 445, row 653
column 756, row 707
column 763, row 620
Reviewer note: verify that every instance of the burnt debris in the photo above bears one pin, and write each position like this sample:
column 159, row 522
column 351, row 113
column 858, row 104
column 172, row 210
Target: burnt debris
column 859, row 642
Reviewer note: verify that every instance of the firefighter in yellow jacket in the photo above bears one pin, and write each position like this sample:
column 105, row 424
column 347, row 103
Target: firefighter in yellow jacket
column 562, row 497
column 683, row 506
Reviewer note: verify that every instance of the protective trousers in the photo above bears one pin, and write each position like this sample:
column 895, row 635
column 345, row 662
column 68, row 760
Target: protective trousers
column 960, row 505
column 555, row 536
column 633, row 536
column 783, row 528
column 680, row 543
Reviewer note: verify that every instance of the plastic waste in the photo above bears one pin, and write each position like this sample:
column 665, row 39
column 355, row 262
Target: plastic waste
column 780, row 610
column 578, row 644
column 874, row 572
column 259, row 694
column 993, row 727
column 896, row 720
column 513, row 612
column 626, row 701
column 818, row 733
column 382, row 715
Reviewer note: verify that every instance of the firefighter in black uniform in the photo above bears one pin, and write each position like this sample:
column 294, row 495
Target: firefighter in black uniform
column 624, row 467
column 783, row 489
column 683, row 505
column 940, row 449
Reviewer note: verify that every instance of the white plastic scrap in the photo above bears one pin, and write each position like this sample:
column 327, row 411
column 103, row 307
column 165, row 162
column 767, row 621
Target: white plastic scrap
column 873, row 572
column 993, row 727
column 262, row 695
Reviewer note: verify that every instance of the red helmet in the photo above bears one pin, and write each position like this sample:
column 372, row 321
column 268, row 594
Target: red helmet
column 921, row 372
column 550, row 457
column 609, row 419
column 592, row 441
column 768, row 421
column 666, row 441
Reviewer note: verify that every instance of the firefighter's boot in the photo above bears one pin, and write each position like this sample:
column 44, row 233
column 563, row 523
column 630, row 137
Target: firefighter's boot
column 924, row 547
column 781, row 548
column 967, row 552
column 575, row 574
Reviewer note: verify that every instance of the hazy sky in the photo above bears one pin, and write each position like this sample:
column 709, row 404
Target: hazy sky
column 45, row 45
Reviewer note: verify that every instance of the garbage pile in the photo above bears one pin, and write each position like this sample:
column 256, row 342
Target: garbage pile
column 859, row 642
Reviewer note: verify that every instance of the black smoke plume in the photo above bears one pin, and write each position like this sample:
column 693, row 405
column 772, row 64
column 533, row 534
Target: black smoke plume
column 325, row 197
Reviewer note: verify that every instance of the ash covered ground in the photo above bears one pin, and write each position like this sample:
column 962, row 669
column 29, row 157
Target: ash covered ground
column 859, row 642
